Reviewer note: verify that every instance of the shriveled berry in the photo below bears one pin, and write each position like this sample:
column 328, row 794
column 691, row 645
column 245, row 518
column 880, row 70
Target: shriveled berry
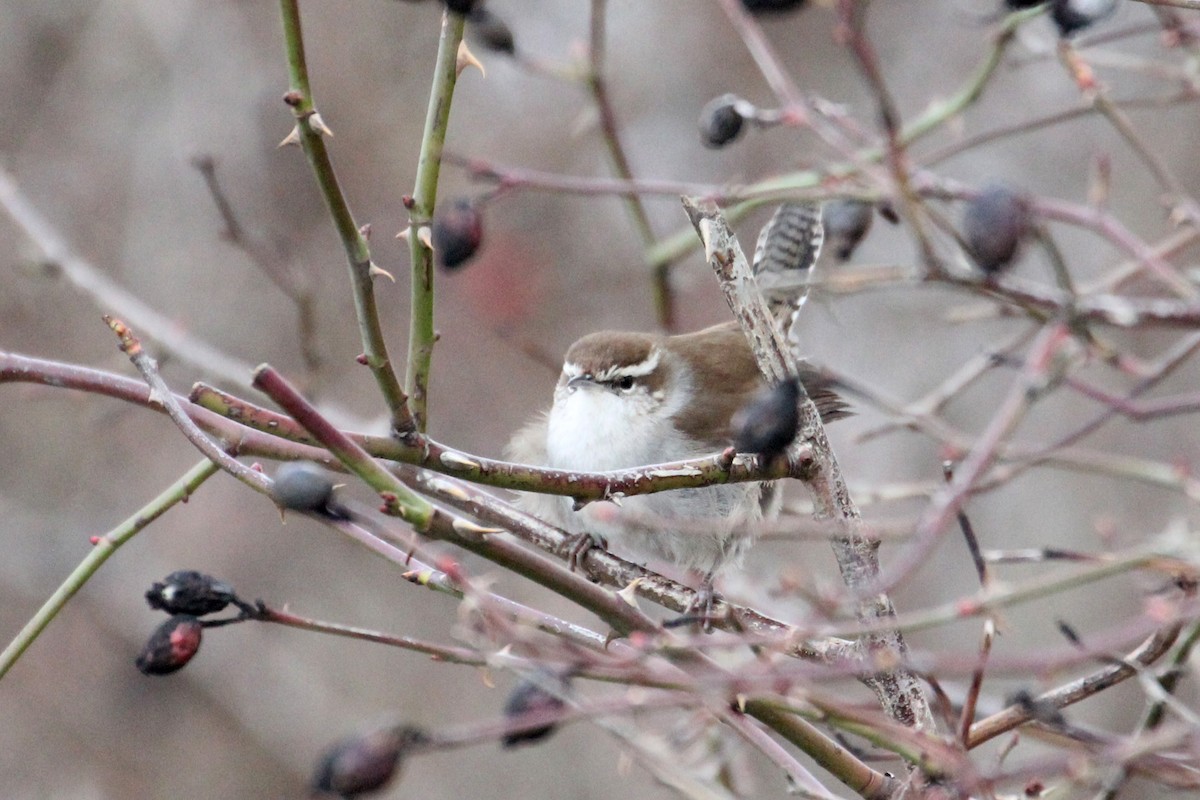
column 772, row 6
column 768, row 423
column 1071, row 16
column 491, row 31
column 994, row 224
column 846, row 223
column 457, row 233
column 364, row 764
column 171, row 646
column 721, row 121
column 190, row 592
column 461, row 6
column 530, row 698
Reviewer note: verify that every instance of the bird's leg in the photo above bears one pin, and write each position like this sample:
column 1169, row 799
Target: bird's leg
column 700, row 609
column 578, row 547
column 706, row 597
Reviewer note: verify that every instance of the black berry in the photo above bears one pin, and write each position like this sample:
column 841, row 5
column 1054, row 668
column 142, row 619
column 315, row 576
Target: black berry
column 303, row 486
column 1071, row 16
column 721, row 121
column 772, row 6
column 461, row 6
column 530, row 698
column 364, row 764
column 190, row 592
column 846, row 223
column 491, row 31
column 768, row 423
column 457, row 233
column 994, row 224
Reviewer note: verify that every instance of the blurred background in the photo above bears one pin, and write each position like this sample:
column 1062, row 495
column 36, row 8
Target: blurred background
column 106, row 107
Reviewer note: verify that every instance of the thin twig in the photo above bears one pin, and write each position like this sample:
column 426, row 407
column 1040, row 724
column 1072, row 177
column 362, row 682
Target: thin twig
column 664, row 300
column 110, row 298
column 161, row 394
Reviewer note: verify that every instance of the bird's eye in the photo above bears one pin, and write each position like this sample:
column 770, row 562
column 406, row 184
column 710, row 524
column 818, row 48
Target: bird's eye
column 625, row 384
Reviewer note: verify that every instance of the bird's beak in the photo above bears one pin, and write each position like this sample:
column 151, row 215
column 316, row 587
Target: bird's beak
column 581, row 380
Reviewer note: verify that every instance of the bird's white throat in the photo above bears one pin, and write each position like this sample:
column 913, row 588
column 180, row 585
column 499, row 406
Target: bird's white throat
column 594, row 428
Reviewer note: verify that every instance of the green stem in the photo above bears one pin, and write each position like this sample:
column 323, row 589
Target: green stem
column 421, row 335
column 105, row 546
column 358, row 253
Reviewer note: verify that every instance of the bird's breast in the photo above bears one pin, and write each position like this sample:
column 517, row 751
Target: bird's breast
column 593, row 429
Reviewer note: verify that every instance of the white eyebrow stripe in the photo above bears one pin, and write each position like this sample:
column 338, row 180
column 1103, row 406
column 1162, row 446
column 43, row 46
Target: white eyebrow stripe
column 572, row 370
column 638, row 370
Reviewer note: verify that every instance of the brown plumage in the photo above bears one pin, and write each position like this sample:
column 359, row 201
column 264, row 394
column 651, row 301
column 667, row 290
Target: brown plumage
column 628, row 400
column 721, row 352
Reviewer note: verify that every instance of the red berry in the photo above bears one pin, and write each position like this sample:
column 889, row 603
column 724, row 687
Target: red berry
column 171, row 646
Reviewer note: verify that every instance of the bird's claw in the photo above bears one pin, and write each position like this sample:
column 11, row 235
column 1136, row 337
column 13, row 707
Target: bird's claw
column 700, row 610
column 578, row 547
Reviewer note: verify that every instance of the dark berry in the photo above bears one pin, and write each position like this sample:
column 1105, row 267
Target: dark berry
column 529, row 698
column 768, row 423
column 461, row 6
column 994, row 224
column 721, row 121
column 1071, row 16
column 772, row 6
column 846, row 223
column 303, row 486
column 364, row 764
column 190, row 592
column 457, row 233
column 171, row 646
column 491, row 31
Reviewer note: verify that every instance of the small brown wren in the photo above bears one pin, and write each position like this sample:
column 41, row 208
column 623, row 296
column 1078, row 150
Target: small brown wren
column 628, row 400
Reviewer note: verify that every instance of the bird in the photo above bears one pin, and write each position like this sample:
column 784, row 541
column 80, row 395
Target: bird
column 629, row 399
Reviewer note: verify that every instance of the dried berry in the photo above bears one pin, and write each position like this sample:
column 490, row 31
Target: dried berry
column 994, row 224
column 364, row 764
column 190, row 592
column 846, row 223
column 721, row 121
column 772, row 6
column 303, row 486
column 461, row 6
column 768, row 423
column 171, row 646
column 1075, row 15
column 530, row 698
column 491, row 31
column 457, row 233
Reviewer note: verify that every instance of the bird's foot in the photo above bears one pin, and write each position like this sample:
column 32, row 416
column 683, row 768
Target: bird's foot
column 579, row 545
column 700, row 610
